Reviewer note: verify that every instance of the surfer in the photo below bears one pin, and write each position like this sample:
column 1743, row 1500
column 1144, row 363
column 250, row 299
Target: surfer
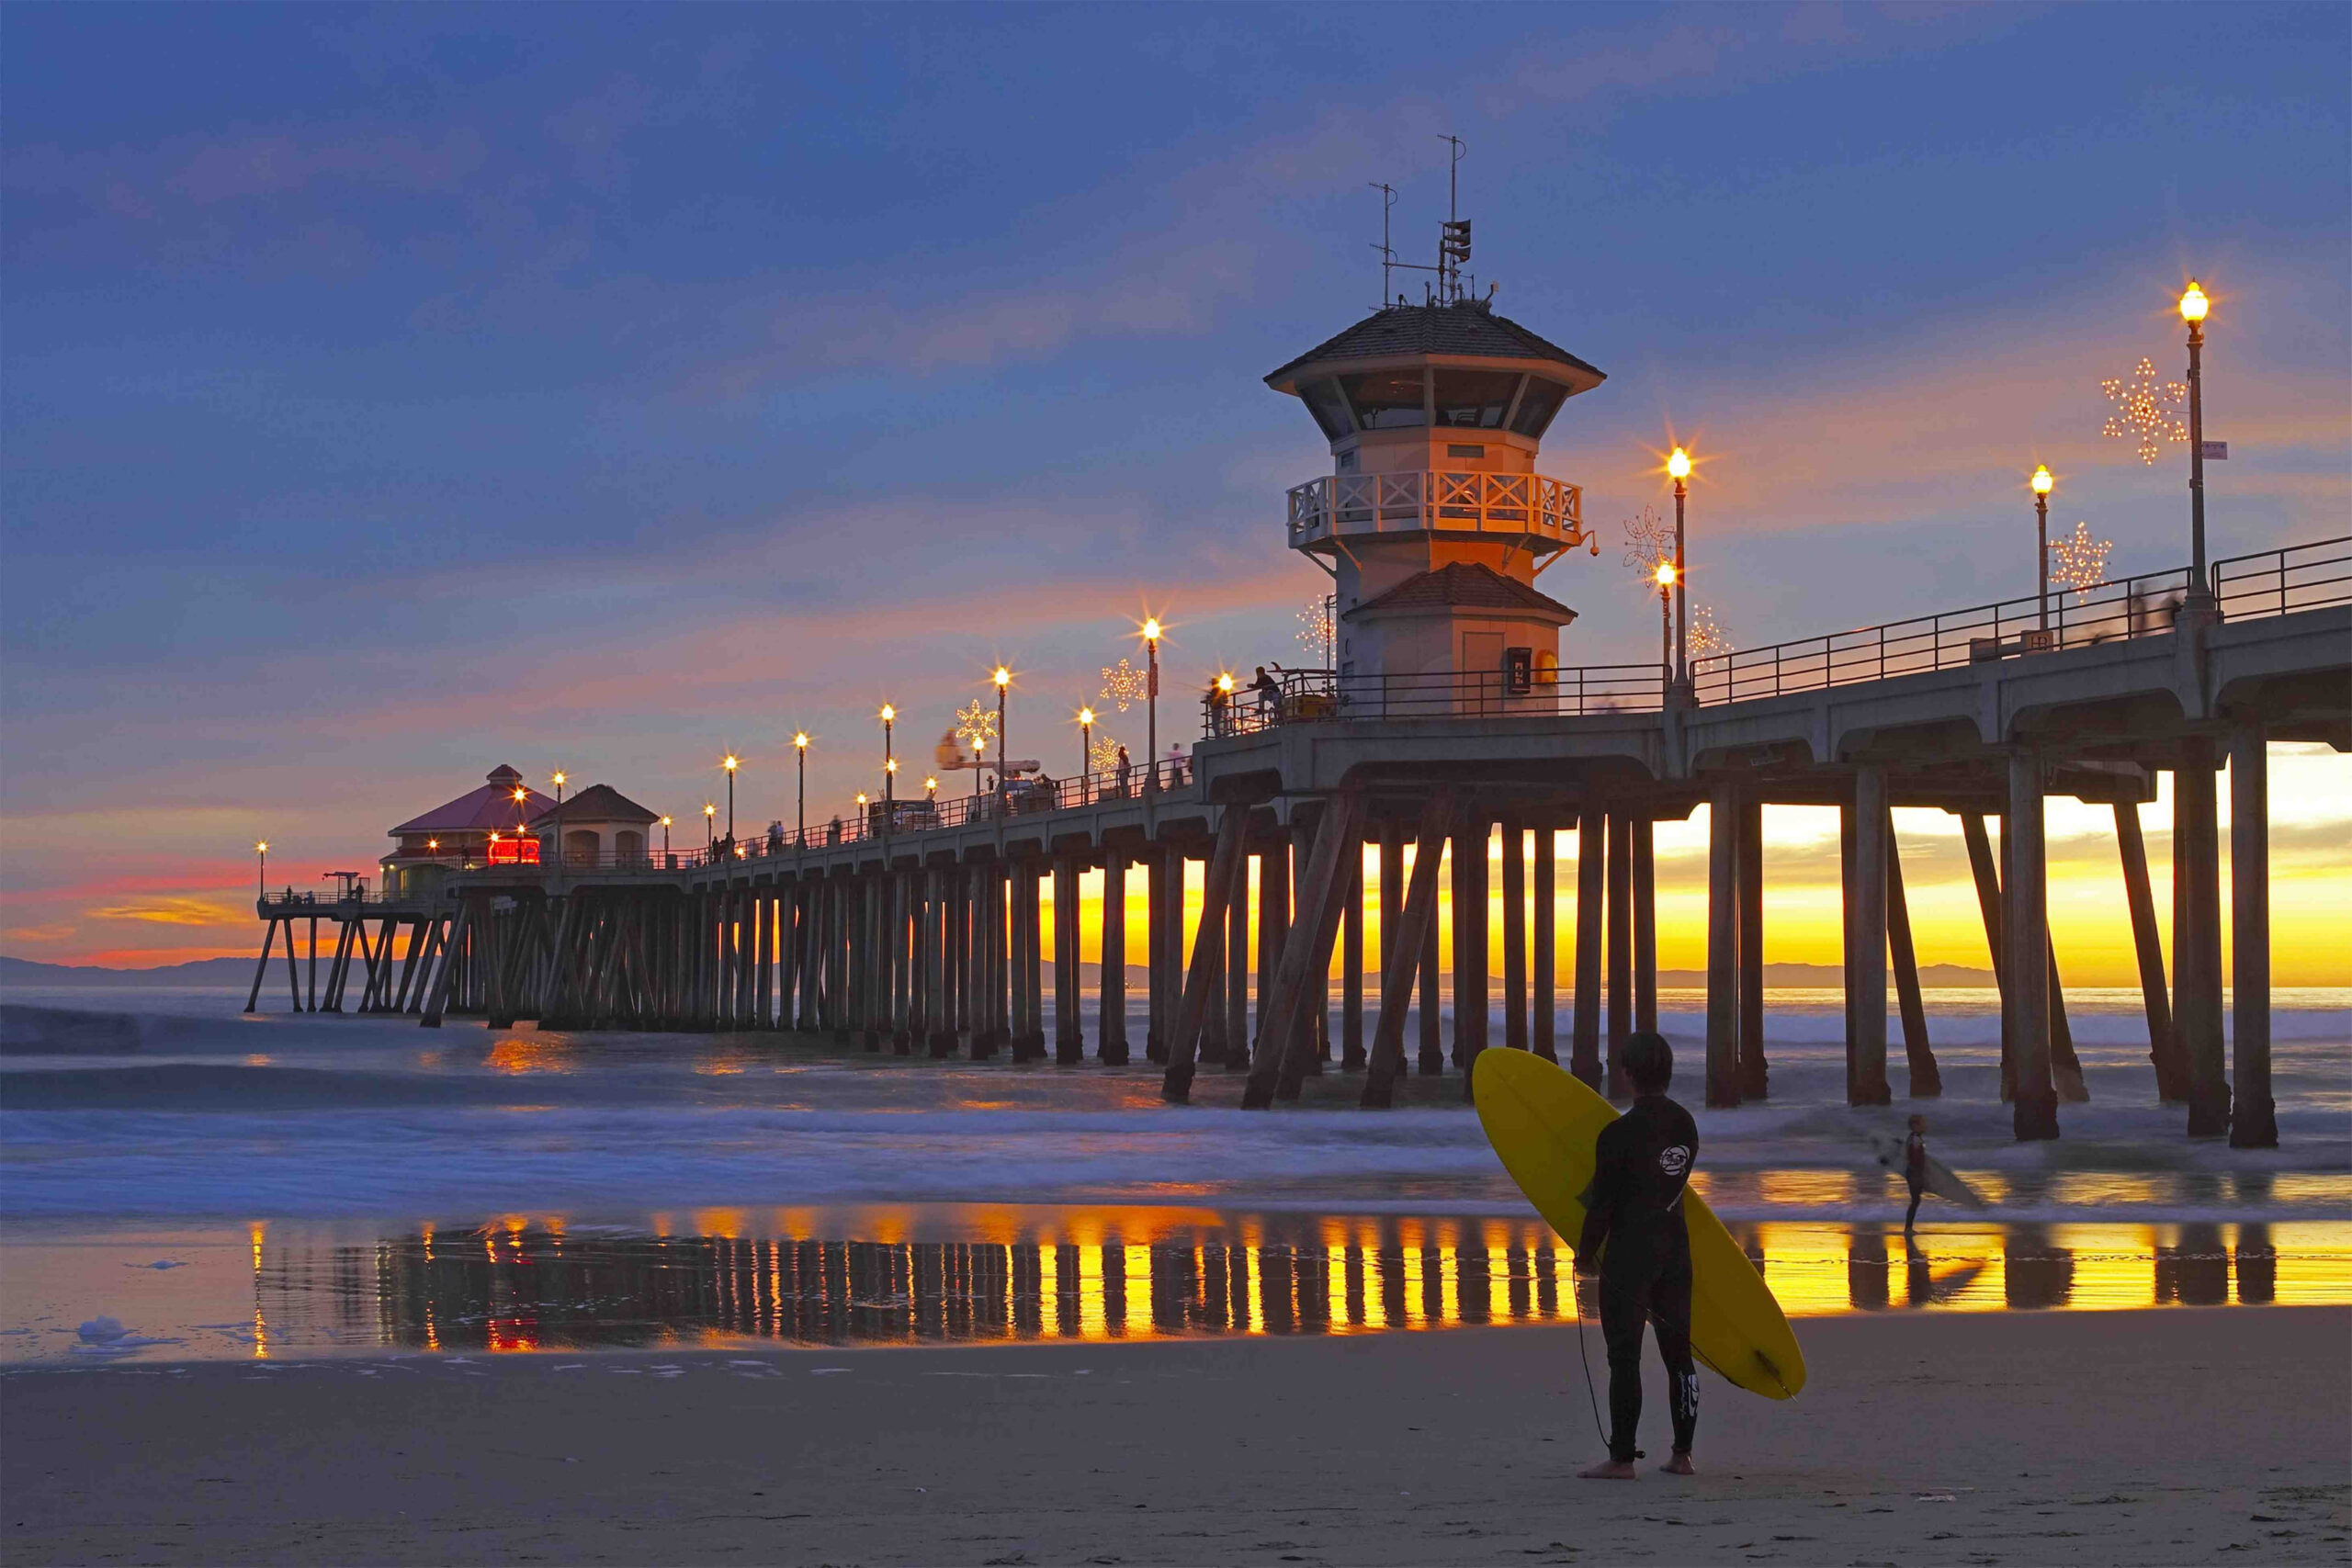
column 1915, row 1169
column 1636, row 1234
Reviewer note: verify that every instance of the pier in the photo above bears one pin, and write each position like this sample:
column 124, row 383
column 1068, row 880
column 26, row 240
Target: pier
column 916, row 926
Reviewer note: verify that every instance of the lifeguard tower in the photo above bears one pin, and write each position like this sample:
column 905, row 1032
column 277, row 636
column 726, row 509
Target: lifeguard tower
column 1434, row 523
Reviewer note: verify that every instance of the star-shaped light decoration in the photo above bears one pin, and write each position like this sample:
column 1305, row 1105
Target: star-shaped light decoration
column 2147, row 411
column 1708, row 640
column 1123, row 684
column 2078, row 561
column 1102, row 755
column 976, row 726
column 1649, row 543
column 1316, row 633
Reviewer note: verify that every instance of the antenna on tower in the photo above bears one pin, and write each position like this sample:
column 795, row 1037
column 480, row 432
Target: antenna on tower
column 1387, row 254
column 1454, row 239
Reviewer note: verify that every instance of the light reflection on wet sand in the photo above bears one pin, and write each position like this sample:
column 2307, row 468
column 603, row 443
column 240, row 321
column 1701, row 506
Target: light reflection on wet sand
column 907, row 1274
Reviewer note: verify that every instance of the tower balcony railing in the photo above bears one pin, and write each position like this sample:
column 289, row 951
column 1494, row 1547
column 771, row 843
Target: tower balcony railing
column 1437, row 501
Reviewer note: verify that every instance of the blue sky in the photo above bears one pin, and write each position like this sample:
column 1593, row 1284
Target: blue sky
column 390, row 393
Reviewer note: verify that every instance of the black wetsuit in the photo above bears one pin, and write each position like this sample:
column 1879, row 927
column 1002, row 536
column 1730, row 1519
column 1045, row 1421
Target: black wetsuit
column 1633, row 1219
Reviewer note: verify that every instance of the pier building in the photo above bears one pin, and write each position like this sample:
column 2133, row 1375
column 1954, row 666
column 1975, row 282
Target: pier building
column 1451, row 721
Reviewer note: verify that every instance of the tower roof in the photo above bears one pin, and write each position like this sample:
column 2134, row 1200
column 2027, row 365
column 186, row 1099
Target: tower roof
column 1463, row 585
column 492, row 806
column 1466, row 330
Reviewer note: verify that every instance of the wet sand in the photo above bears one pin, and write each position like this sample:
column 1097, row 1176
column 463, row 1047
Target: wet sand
column 2083, row 1437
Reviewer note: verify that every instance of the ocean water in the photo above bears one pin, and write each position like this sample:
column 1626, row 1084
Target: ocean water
column 352, row 1181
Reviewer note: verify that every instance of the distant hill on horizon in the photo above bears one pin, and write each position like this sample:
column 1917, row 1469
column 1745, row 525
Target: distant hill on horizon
column 199, row 972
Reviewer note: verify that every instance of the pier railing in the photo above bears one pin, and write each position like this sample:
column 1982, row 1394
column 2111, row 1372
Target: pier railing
column 2272, row 583
column 2104, row 611
column 1310, row 695
column 1422, row 502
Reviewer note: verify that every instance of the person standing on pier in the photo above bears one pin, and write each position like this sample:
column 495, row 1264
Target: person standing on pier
column 1915, row 1169
column 1126, row 773
column 1636, row 1235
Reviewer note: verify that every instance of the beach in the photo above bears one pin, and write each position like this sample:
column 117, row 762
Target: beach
column 2139, row 1437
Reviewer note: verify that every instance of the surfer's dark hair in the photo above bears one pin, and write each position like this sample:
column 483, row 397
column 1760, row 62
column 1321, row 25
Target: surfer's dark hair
column 1649, row 1062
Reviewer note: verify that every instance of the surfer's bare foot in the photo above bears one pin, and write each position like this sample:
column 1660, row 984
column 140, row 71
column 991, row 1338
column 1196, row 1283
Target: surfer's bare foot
column 1609, row 1470
column 1679, row 1465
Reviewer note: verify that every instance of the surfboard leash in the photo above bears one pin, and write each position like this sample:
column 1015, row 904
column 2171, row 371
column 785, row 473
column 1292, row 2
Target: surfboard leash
column 1576, row 1301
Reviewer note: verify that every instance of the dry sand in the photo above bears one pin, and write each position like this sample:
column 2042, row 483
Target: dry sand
column 2126, row 1438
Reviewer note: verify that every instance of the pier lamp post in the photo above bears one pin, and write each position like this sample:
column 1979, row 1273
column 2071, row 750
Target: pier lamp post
column 1678, row 464
column 730, row 763
column 1666, row 577
column 1085, row 753
column 1002, row 678
column 261, row 873
column 709, row 827
column 2042, row 485
column 665, row 841
column 557, row 778
column 2193, row 306
column 931, row 800
column 863, row 824
column 801, row 747
column 1151, row 702
column 889, row 764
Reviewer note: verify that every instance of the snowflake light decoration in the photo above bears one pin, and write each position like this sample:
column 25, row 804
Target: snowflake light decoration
column 1708, row 640
column 1102, row 755
column 2147, row 411
column 1316, row 632
column 1124, row 684
column 1649, row 543
column 976, row 726
column 2077, row 560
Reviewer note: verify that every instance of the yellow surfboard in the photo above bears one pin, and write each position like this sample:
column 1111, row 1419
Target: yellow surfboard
column 1544, row 1125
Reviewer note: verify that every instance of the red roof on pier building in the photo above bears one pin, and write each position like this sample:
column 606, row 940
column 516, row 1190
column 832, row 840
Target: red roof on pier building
column 492, row 807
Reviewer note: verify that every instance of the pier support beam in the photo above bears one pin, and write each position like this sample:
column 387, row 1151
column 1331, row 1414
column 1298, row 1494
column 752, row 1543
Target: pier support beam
column 1236, row 966
column 1547, row 958
column 1226, row 876
column 2253, row 1120
column 1514, row 847
column 1352, row 1055
column 1926, row 1080
column 1753, row 1072
column 2155, row 992
column 1273, row 930
column 2197, row 943
column 1111, row 1010
column 1584, row 1048
column 1621, row 948
column 1988, row 905
column 1155, row 900
column 1866, row 1081
column 1723, row 947
column 1304, row 980
column 1645, row 924
column 2026, row 998
column 1470, row 989
column 1069, row 1033
column 1403, row 942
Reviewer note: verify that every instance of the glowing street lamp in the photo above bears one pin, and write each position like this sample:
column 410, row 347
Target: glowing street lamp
column 710, row 825
column 2042, row 485
column 1677, row 464
column 261, row 875
column 665, row 841
column 2193, row 307
column 801, row 747
column 890, row 763
column 1085, row 751
column 1002, row 678
column 730, row 763
column 1151, row 701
